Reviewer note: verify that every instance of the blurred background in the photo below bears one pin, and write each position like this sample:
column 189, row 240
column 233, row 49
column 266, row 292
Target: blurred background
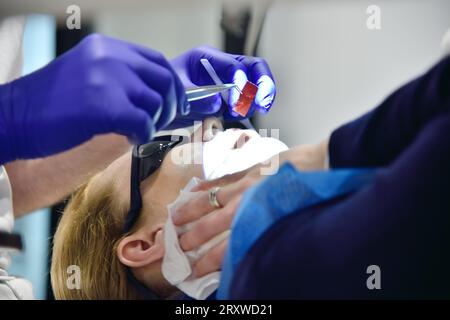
column 328, row 65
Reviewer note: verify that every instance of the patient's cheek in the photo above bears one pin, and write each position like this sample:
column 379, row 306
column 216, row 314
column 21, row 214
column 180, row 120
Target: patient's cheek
column 186, row 160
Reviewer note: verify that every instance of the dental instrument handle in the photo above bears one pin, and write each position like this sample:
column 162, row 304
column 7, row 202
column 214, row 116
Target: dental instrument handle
column 197, row 93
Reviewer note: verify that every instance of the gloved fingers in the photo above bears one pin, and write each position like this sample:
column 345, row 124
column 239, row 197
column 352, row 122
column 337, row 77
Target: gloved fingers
column 259, row 73
column 147, row 99
column 206, row 106
column 209, row 226
column 266, row 94
column 248, row 68
column 212, row 260
column 229, row 70
column 135, row 124
column 225, row 65
column 256, row 67
column 183, row 107
column 161, row 80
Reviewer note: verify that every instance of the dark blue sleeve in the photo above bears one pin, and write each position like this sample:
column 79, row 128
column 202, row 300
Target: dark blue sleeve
column 379, row 136
column 400, row 222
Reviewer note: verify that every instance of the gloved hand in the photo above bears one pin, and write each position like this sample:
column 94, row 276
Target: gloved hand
column 102, row 85
column 230, row 69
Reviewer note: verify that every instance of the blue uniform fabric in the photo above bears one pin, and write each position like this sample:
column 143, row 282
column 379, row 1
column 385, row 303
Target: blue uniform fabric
column 400, row 222
column 278, row 196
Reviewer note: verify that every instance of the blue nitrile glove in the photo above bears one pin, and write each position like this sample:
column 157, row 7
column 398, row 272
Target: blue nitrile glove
column 102, row 85
column 230, row 68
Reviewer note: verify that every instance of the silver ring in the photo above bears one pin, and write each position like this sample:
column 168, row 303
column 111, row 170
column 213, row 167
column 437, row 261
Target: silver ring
column 213, row 198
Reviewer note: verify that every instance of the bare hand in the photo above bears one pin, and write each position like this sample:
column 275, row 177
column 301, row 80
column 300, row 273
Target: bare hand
column 211, row 221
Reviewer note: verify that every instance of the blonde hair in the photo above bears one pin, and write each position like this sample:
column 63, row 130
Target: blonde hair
column 87, row 236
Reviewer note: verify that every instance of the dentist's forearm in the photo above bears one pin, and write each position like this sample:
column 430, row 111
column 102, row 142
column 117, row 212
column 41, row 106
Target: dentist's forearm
column 40, row 183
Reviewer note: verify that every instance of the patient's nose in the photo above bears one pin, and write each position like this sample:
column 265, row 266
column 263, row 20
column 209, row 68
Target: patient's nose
column 210, row 127
column 241, row 140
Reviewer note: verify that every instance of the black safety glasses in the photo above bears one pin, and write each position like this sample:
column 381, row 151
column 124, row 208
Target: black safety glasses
column 146, row 159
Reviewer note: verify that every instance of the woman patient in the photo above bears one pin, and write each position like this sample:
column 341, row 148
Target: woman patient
column 384, row 223
column 94, row 235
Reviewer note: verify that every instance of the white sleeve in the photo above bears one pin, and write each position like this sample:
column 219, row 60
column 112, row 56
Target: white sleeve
column 11, row 34
column 11, row 288
column 6, row 206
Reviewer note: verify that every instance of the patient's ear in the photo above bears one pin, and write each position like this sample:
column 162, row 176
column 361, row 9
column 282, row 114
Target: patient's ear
column 143, row 247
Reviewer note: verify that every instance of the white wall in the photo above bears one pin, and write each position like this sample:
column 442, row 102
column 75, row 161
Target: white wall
column 330, row 68
column 171, row 27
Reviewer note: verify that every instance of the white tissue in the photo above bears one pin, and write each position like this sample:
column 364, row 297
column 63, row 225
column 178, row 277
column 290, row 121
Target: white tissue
column 177, row 265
